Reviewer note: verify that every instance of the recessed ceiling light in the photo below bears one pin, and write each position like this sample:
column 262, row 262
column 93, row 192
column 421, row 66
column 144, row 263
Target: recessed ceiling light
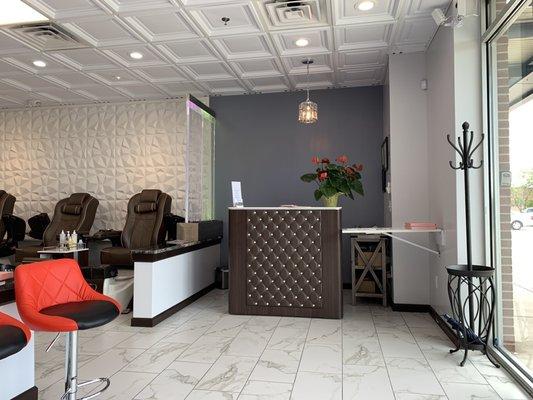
column 17, row 12
column 136, row 55
column 118, row 78
column 302, row 42
column 39, row 63
column 365, row 5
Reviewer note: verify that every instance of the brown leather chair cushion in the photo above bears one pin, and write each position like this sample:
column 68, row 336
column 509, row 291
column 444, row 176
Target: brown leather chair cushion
column 150, row 195
column 143, row 208
column 71, row 209
column 118, row 256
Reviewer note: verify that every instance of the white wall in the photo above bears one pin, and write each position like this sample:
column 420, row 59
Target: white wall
column 409, row 174
column 442, row 179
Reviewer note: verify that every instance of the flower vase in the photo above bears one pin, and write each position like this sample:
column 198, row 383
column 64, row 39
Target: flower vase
column 331, row 201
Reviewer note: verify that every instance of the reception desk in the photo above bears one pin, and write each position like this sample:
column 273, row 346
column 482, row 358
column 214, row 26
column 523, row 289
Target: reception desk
column 285, row 261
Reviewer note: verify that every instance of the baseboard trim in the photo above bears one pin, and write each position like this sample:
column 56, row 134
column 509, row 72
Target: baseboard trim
column 410, row 307
column 151, row 322
column 30, row 394
column 444, row 326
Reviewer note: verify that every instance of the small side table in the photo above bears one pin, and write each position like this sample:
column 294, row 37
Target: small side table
column 369, row 267
column 80, row 255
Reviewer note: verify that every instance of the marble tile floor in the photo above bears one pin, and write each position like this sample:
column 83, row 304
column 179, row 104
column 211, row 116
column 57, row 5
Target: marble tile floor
column 203, row 353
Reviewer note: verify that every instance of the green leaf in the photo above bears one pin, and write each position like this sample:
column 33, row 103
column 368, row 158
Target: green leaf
column 358, row 188
column 328, row 190
column 318, row 194
column 308, row 177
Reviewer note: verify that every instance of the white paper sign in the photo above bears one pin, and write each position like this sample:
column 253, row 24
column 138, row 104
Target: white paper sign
column 237, row 194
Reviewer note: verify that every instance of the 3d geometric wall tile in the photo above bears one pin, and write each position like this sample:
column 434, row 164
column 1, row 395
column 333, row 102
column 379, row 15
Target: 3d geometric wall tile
column 109, row 150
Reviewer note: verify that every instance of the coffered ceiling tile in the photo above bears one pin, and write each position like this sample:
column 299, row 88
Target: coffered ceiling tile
column 362, row 36
column 11, row 46
column 129, row 6
column 62, row 95
column 7, row 69
column 196, row 3
column 425, row 7
column 247, row 46
column 414, row 34
column 224, row 87
column 116, row 77
column 346, row 12
column 141, row 91
column 66, row 9
column 268, row 84
column 162, row 26
column 174, row 89
column 101, row 93
column 28, row 82
column 5, row 103
column 208, row 71
column 362, row 58
column 25, row 62
column 257, row 68
column 316, row 81
column 162, row 74
column 242, row 19
column 71, row 80
column 295, row 14
column 122, row 55
column 355, row 76
column 102, row 31
column 321, row 63
column 84, row 59
column 189, row 51
column 319, row 41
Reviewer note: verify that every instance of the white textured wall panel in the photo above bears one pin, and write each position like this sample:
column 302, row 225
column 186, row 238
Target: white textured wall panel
column 111, row 151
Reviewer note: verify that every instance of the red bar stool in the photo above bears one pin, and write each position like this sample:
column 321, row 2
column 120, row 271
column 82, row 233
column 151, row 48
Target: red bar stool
column 53, row 296
column 14, row 336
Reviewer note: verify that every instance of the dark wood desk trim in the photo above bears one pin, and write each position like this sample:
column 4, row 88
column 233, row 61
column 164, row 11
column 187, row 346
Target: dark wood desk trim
column 173, row 251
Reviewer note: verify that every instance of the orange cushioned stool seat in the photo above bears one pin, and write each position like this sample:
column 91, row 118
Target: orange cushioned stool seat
column 14, row 336
column 53, row 296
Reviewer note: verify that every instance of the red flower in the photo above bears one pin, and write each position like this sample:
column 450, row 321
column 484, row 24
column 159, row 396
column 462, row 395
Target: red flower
column 325, row 161
column 315, row 160
column 349, row 170
column 358, row 167
column 342, row 159
column 322, row 175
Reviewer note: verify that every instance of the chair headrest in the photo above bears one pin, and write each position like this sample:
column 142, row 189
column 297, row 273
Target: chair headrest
column 2, row 192
column 150, row 195
column 143, row 208
column 74, row 204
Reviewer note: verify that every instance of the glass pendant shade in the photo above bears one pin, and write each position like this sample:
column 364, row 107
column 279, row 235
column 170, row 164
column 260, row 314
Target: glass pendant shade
column 308, row 112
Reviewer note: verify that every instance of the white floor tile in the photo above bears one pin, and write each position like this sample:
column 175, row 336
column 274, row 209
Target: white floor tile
column 206, row 349
column 277, row 366
column 366, row 382
column 412, row 376
column 317, row 386
column 465, row 391
column 364, row 351
column 210, row 395
column 157, row 358
column 396, row 343
column 255, row 390
column 325, row 331
column 326, row 358
column 228, row 374
column 175, row 382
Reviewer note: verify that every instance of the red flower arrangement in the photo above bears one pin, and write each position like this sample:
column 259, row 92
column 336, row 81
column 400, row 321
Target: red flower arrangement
column 334, row 180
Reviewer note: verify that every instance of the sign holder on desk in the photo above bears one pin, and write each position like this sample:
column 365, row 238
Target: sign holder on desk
column 236, row 194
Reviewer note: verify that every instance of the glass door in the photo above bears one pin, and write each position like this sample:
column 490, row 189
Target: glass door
column 510, row 73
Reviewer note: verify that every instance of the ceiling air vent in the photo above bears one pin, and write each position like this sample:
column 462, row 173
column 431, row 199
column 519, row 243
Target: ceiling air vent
column 285, row 13
column 47, row 36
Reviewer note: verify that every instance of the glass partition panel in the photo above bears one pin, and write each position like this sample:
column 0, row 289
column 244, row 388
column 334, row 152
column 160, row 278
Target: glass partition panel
column 199, row 163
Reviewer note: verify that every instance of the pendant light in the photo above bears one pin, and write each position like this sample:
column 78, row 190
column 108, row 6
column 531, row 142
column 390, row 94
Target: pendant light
column 308, row 110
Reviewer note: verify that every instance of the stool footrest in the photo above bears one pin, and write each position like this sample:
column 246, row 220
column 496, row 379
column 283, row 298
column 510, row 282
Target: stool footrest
column 91, row 382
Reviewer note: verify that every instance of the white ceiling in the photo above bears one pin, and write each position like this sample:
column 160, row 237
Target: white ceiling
column 188, row 49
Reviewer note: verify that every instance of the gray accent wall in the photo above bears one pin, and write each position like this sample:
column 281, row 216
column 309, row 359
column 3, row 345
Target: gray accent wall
column 260, row 142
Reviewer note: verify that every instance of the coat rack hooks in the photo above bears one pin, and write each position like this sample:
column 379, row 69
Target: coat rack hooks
column 465, row 149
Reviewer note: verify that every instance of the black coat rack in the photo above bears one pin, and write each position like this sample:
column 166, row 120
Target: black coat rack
column 474, row 333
